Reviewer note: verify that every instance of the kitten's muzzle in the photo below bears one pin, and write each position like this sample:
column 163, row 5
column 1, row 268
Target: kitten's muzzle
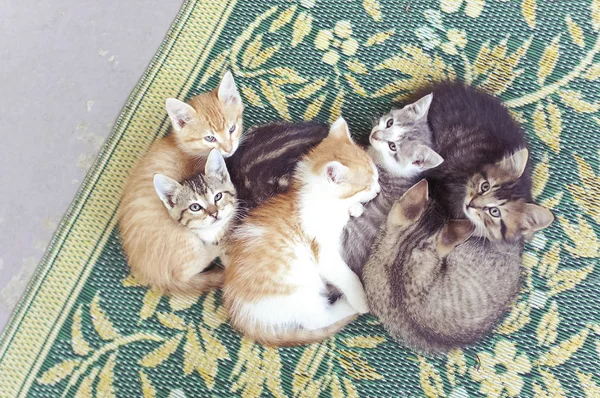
column 376, row 135
column 213, row 211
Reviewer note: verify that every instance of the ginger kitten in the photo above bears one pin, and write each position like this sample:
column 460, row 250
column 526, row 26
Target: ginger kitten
column 432, row 287
column 287, row 251
column 162, row 253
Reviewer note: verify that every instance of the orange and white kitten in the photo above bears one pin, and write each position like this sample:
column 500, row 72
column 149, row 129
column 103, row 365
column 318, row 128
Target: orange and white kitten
column 161, row 253
column 287, row 251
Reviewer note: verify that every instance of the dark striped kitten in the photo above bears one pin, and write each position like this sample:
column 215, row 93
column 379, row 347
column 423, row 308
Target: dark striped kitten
column 265, row 161
column 431, row 290
column 485, row 175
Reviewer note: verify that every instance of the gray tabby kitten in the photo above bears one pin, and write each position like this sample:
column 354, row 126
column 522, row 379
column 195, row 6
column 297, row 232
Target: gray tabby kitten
column 431, row 290
column 401, row 155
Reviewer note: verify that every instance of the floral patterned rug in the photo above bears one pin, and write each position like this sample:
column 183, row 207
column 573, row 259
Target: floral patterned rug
column 84, row 328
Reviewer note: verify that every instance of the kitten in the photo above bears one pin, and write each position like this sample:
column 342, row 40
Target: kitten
column 287, row 250
column 485, row 175
column 430, row 290
column 157, row 249
column 264, row 168
column 205, row 204
column 401, row 149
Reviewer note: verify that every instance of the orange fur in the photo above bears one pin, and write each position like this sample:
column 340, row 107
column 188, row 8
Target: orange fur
column 264, row 251
column 161, row 252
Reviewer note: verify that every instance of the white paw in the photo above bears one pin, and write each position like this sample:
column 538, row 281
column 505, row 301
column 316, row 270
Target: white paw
column 362, row 308
column 356, row 210
column 359, row 303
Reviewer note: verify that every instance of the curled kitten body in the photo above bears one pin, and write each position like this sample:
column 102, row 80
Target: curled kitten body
column 485, row 176
column 160, row 252
column 286, row 253
column 433, row 288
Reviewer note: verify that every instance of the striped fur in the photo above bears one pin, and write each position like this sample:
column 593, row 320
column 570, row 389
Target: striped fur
column 287, row 251
column 161, row 253
column 430, row 291
column 360, row 232
column 267, row 157
column 475, row 133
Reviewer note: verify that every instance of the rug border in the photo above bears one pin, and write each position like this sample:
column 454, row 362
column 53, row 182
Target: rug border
column 12, row 329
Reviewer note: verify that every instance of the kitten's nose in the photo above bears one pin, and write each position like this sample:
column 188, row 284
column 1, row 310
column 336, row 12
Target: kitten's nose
column 212, row 211
column 376, row 134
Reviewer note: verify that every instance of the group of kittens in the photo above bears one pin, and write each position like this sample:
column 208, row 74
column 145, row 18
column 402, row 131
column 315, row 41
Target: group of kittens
column 431, row 218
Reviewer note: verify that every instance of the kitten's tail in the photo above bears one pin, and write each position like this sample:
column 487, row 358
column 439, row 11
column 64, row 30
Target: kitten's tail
column 199, row 283
column 296, row 337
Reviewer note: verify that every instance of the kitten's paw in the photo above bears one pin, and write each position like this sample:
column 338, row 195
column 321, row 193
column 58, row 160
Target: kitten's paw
column 359, row 303
column 356, row 210
column 362, row 308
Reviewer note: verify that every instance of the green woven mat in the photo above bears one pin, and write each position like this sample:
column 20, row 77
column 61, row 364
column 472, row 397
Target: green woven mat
column 84, row 328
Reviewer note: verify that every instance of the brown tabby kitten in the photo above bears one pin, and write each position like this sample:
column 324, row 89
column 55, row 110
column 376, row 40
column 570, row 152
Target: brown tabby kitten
column 432, row 291
column 287, row 251
column 485, row 174
column 161, row 253
column 205, row 204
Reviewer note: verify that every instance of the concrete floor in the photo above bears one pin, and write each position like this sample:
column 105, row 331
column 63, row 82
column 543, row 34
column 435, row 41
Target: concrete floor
column 66, row 69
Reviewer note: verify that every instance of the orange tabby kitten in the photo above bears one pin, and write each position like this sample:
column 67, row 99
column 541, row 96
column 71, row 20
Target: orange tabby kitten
column 287, row 251
column 161, row 253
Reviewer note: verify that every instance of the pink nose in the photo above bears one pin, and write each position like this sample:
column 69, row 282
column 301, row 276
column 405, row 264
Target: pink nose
column 376, row 135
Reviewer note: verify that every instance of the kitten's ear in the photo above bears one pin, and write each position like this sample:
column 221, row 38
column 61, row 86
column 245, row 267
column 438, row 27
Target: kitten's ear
column 421, row 107
column 339, row 129
column 335, row 172
column 227, row 91
column 426, row 158
column 411, row 206
column 215, row 165
column 535, row 219
column 180, row 113
column 454, row 233
column 514, row 165
column 166, row 188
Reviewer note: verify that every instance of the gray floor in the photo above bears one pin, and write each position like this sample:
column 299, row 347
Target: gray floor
column 66, row 69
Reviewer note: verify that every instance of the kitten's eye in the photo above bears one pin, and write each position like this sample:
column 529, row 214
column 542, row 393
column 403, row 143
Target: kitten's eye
column 392, row 146
column 389, row 123
column 195, row 207
column 210, row 138
column 218, row 197
column 494, row 212
column 485, row 186
column 232, row 128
